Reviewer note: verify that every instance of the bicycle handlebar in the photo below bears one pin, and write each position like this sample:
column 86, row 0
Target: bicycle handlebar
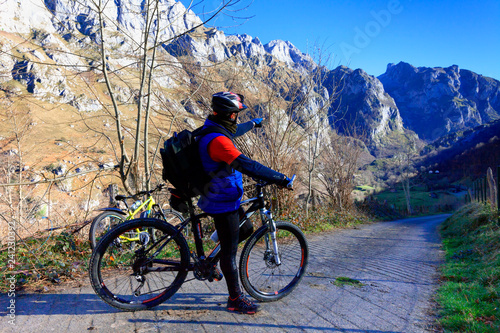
column 157, row 188
column 289, row 186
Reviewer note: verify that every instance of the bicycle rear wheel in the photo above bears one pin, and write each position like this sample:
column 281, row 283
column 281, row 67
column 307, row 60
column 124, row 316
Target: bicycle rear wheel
column 103, row 223
column 260, row 275
column 170, row 216
column 125, row 274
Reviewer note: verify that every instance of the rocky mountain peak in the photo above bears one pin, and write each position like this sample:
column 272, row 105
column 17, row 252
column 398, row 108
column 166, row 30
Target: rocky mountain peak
column 432, row 101
column 18, row 16
column 362, row 105
column 437, row 101
column 70, row 17
column 287, row 53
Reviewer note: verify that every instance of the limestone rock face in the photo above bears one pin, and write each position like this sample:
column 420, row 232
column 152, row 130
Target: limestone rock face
column 362, row 105
column 287, row 53
column 438, row 101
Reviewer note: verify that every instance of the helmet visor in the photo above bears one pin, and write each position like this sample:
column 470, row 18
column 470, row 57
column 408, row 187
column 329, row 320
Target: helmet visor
column 241, row 100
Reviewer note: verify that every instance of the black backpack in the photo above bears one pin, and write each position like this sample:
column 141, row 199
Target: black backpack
column 182, row 165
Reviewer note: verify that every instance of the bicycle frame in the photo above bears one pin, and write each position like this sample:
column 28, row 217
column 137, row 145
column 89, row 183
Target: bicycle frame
column 257, row 204
column 150, row 202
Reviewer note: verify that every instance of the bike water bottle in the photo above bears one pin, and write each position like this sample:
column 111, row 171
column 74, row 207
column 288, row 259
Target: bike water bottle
column 214, row 236
column 136, row 205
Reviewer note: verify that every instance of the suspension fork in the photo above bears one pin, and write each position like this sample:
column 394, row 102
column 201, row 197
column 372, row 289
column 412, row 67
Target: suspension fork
column 267, row 219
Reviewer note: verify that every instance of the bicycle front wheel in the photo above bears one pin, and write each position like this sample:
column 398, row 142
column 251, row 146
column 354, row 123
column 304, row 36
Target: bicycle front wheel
column 262, row 277
column 103, row 223
column 126, row 274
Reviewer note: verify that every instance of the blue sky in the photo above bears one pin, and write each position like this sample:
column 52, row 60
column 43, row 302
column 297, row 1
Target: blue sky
column 370, row 34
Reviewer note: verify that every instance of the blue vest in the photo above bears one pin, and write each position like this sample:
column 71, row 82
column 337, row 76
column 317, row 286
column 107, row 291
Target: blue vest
column 224, row 192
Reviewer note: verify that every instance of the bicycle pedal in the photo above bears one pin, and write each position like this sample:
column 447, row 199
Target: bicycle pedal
column 216, row 275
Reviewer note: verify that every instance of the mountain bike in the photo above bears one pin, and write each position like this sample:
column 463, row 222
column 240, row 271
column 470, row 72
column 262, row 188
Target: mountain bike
column 140, row 275
column 113, row 216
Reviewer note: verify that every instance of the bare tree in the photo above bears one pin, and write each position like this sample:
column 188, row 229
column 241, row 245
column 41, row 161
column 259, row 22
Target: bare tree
column 13, row 164
column 149, row 44
column 319, row 127
column 406, row 168
column 317, row 134
column 338, row 165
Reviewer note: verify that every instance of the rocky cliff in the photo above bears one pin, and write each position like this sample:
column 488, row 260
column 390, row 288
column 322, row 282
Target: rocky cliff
column 362, row 105
column 437, row 101
column 66, row 33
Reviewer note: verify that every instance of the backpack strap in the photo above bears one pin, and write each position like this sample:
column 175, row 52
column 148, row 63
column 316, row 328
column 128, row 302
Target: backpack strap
column 200, row 131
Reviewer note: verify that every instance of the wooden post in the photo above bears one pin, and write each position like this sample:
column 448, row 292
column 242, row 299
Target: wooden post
column 498, row 193
column 473, row 194
column 474, row 190
column 498, row 190
column 480, row 190
column 113, row 191
column 485, row 190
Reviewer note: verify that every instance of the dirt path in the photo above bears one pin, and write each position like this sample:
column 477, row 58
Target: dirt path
column 396, row 262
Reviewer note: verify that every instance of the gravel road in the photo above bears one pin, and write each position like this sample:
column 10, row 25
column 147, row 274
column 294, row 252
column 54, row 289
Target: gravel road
column 396, row 263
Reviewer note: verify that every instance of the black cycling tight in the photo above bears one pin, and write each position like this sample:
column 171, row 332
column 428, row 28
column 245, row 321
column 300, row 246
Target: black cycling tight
column 227, row 225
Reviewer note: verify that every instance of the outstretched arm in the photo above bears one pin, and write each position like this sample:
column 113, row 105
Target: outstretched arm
column 256, row 170
column 244, row 128
column 222, row 149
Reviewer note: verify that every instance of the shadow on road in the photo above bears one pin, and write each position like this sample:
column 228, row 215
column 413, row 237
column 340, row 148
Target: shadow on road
column 84, row 304
column 181, row 309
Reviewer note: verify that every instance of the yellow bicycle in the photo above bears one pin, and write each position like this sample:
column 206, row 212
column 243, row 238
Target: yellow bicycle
column 112, row 216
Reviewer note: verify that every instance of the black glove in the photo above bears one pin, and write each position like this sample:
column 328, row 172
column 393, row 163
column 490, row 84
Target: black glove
column 286, row 182
column 257, row 122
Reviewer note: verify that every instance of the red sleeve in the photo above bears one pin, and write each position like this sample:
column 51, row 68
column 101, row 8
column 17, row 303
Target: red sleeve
column 222, row 149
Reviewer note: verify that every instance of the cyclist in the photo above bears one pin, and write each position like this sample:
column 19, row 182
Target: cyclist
column 221, row 199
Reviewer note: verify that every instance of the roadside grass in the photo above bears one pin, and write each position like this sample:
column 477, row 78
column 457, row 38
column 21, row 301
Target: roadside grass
column 469, row 295
column 324, row 218
column 342, row 281
column 42, row 262
column 422, row 200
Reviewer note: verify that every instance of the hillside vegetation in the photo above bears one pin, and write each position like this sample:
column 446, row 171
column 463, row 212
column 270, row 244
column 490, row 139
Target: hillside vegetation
column 469, row 297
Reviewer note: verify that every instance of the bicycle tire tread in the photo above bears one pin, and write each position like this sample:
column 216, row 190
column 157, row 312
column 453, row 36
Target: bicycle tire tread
column 94, row 265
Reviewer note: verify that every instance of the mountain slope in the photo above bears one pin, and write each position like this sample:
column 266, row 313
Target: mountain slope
column 437, row 101
column 465, row 154
column 364, row 107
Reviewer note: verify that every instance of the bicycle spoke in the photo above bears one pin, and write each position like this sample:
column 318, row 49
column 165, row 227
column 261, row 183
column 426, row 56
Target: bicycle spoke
column 126, row 278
